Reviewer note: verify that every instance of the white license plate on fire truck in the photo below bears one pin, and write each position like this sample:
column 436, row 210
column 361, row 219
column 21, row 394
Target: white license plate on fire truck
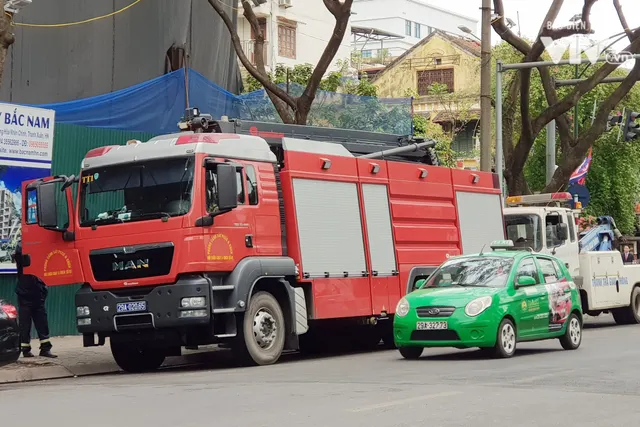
column 131, row 307
column 430, row 326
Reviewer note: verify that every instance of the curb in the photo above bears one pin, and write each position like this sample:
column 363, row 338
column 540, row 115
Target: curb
column 39, row 373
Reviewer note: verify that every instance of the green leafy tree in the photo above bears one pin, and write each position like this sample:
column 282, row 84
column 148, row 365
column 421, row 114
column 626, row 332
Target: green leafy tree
column 558, row 105
column 614, row 181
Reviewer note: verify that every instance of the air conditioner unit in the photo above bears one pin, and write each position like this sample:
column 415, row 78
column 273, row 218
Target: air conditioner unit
column 285, row 3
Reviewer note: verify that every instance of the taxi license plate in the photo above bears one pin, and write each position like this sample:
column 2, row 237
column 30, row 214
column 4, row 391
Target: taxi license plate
column 427, row 326
column 131, row 307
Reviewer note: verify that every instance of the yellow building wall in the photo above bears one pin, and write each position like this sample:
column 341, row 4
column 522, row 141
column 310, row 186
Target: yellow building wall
column 402, row 79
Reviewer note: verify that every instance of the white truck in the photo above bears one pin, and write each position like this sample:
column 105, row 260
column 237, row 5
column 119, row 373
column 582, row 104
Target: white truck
column 541, row 223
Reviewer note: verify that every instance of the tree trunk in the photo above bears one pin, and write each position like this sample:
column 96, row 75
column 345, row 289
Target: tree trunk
column 7, row 37
column 517, row 185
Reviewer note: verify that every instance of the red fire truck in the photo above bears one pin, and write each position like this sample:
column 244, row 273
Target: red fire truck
column 252, row 235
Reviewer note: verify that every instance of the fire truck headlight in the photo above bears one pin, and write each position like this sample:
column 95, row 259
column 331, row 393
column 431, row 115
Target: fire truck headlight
column 402, row 309
column 193, row 302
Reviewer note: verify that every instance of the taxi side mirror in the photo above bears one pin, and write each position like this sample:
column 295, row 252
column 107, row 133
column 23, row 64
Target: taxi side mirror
column 525, row 281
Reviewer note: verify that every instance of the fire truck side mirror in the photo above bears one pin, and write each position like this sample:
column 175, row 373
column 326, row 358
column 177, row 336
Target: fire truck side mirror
column 46, row 205
column 227, row 187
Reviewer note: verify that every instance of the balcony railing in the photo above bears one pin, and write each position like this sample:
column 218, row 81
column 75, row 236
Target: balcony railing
column 248, row 46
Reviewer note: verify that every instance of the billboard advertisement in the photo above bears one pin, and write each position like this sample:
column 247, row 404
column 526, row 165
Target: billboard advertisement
column 26, row 150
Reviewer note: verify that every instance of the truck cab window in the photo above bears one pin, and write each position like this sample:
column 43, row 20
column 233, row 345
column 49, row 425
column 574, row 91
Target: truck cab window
column 552, row 235
column 32, row 207
column 212, row 189
column 252, row 185
column 524, row 231
column 136, row 192
column 571, row 220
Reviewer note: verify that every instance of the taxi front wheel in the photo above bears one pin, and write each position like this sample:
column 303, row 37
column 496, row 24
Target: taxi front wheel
column 572, row 337
column 506, row 340
column 411, row 353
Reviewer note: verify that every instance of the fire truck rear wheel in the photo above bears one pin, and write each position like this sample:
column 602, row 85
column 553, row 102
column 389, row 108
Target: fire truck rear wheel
column 263, row 331
column 136, row 358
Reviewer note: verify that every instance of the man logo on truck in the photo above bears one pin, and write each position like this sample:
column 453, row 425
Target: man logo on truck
column 130, row 265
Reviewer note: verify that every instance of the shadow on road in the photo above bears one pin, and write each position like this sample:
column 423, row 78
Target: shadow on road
column 476, row 354
column 220, row 359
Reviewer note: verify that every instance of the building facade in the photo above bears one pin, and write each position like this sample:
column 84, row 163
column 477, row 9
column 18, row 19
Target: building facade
column 442, row 73
column 408, row 20
column 295, row 31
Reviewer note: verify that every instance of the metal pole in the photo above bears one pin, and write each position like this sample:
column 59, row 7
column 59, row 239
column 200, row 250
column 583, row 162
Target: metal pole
column 576, row 111
column 551, row 150
column 573, row 82
column 485, row 88
column 499, row 124
column 526, row 65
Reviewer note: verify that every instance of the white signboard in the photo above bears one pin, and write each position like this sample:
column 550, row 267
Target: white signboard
column 26, row 150
column 26, row 134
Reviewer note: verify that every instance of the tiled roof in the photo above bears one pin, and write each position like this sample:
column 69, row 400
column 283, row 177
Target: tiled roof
column 469, row 46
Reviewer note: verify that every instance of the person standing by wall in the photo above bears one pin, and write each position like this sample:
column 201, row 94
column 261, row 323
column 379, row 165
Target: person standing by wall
column 32, row 294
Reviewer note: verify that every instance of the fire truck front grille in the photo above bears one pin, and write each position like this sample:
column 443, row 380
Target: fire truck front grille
column 131, row 262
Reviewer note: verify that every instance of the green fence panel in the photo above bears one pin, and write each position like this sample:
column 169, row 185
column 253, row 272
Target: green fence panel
column 70, row 145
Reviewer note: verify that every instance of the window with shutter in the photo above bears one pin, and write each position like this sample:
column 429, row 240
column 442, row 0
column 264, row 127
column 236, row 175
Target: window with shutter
column 428, row 78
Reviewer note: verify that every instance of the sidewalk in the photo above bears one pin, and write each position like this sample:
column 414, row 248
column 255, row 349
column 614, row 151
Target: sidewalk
column 73, row 361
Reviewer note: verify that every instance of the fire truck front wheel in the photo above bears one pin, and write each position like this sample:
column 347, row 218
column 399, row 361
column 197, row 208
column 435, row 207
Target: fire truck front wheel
column 263, row 331
column 136, row 357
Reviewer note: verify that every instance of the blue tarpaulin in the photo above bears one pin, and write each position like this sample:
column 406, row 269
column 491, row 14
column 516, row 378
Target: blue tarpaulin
column 157, row 105
column 154, row 106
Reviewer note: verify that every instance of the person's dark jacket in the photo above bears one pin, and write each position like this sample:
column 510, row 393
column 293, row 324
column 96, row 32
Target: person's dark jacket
column 29, row 287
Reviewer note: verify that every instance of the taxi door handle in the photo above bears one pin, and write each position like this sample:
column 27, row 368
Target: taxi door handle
column 566, row 291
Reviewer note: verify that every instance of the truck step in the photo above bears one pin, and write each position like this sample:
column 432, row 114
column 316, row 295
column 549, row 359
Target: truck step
column 223, row 288
column 223, row 310
column 225, row 335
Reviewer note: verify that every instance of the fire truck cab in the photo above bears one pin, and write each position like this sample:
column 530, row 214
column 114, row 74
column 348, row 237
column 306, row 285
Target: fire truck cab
column 250, row 235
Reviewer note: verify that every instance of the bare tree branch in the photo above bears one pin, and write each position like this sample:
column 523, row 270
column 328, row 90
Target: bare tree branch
column 237, row 44
column 500, row 27
column 342, row 13
column 258, row 52
column 575, row 155
column 631, row 34
column 7, row 38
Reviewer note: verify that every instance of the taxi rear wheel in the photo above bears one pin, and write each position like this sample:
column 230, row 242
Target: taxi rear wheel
column 411, row 353
column 572, row 338
column 506, row 340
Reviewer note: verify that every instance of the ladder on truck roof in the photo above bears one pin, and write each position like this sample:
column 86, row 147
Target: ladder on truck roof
column 358, row 143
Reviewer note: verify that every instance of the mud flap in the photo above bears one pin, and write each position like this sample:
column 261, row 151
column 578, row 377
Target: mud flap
column 301, row 324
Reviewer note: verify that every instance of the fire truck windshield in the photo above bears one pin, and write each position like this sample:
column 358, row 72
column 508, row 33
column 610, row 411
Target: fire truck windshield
column 136, row 191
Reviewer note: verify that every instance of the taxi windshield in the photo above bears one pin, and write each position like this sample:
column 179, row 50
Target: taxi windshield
column 479, row 271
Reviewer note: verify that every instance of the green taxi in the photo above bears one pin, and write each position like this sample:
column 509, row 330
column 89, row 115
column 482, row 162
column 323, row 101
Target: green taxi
column 492, row 300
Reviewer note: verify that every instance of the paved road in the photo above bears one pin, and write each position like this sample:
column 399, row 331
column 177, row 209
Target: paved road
column 598, row 385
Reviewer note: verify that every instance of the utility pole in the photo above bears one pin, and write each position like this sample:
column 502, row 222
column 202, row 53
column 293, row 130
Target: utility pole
column 485, row 89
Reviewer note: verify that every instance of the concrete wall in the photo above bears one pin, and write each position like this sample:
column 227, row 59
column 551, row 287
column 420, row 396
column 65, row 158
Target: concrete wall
column 391, row 16
column 57, row 64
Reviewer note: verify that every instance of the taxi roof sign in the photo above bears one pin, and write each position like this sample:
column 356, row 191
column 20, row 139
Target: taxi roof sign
column 502, row 244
